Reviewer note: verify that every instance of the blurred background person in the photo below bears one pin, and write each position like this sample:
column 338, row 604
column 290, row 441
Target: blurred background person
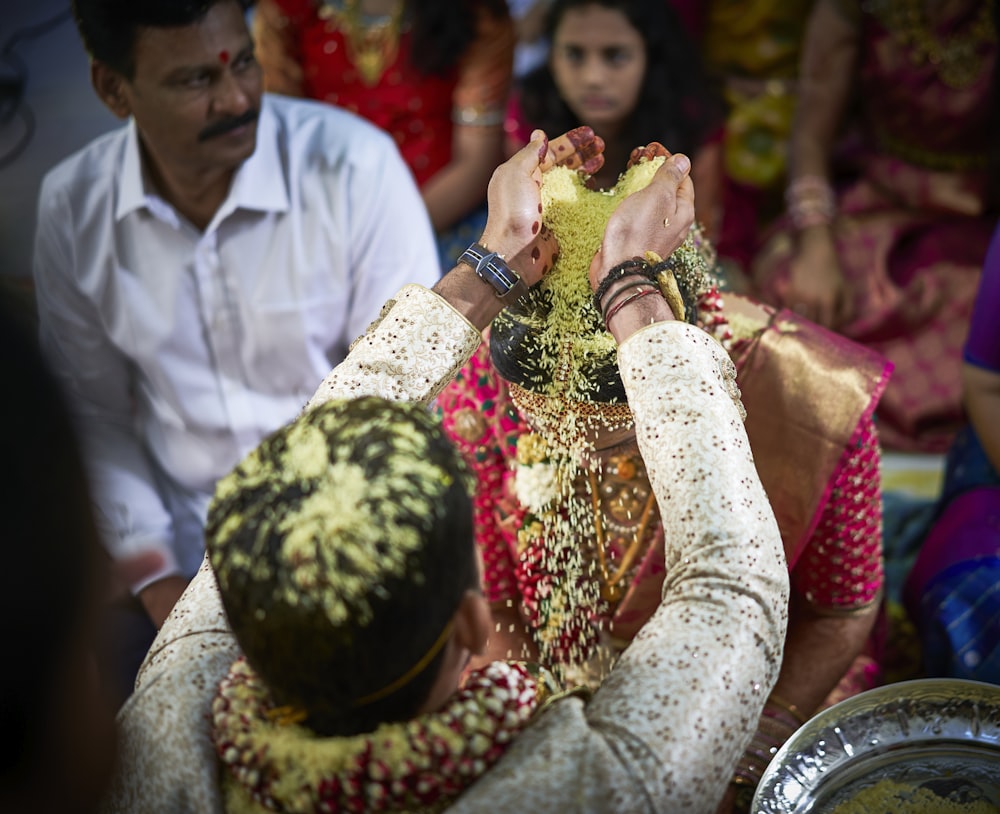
column 892, row 195
column 434, row 74
column 752, row 50
column 58, row 746
column 953, row 591
column 629, row 70
column 197, row 270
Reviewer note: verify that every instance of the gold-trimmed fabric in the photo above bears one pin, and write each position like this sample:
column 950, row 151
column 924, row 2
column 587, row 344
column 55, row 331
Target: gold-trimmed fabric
column 551, row 415
column 805, row 390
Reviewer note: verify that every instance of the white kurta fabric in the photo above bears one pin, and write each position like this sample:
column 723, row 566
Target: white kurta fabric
column 664, row 731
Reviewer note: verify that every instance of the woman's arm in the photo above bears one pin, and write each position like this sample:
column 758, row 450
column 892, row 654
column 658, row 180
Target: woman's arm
column 461, row 184
column 828, row 67
column 827, row 71
column 981, row 388
column 276, row 49
column 706, row 175
column 485, row 72
column 837, row 585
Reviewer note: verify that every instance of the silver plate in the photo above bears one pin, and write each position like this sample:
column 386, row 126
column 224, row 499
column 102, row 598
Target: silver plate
column 938, row 733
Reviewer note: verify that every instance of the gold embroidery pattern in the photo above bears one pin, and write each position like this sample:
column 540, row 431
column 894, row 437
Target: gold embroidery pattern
column 959, row 58
column 371, row 45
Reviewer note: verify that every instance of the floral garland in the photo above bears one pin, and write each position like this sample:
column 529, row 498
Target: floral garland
column 560, row 597
column 559, row 587
column 424, row 764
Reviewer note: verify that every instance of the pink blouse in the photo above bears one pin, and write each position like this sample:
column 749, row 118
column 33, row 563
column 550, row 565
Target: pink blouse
column 839, row 569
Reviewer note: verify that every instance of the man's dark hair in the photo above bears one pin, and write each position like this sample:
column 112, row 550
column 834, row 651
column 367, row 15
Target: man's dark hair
column 109, row 27
column 408, row 503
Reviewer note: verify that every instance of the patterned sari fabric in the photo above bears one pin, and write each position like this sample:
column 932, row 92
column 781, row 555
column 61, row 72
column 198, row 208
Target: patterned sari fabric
column 817, row 458
column 912, row 226
column 753, row 48
column 953, row 590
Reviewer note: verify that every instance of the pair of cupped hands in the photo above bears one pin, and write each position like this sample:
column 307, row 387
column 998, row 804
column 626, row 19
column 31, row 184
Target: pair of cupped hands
column 656, row 218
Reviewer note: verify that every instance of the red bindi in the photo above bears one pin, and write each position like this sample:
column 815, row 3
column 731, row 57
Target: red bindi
column 224, row 57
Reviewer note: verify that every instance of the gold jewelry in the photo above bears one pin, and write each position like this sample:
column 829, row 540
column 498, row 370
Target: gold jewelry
column 412, row 673
column 958, row 59
column 551, row 415
column 371, row 46
column 611, row 589
column 789, row 707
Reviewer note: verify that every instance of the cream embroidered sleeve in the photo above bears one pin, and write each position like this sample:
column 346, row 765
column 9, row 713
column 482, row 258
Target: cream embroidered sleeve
column 409, row 354
column 664, row 731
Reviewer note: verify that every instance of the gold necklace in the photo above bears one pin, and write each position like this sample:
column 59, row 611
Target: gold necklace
column 957, row 59
column 371, row 46
column 612, row 589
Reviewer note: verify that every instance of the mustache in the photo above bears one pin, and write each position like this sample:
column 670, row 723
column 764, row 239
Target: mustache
column 223, row 126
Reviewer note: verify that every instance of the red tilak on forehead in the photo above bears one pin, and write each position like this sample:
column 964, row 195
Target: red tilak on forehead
column 224, row 57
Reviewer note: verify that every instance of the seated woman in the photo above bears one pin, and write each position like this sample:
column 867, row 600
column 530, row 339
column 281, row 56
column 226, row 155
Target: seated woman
column 951, row 592
column 570, row 531
column 628, row 70
column 342, row 557
column 434, row 74
column 892, row 195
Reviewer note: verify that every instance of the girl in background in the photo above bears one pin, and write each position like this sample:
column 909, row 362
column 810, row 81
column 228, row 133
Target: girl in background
column 629, row 70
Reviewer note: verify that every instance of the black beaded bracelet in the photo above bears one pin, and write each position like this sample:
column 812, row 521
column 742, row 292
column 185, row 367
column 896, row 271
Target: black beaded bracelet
column 631, row 267
column 662, row 266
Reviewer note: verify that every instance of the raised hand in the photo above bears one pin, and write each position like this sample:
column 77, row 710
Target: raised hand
column 654, row 219
column 514, row 227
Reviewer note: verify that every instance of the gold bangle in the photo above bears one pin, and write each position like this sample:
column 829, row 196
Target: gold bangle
column 789, row 707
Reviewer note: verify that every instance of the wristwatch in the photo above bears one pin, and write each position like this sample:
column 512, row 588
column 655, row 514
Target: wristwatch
column 493, row 269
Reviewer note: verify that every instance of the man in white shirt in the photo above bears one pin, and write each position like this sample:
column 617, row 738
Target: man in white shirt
column 199, row 270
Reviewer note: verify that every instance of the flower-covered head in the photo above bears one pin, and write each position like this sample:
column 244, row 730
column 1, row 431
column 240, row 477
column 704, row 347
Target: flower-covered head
column 342, row 547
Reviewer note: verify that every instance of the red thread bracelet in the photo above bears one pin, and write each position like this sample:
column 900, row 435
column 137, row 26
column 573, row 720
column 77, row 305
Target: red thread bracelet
column 618, row 306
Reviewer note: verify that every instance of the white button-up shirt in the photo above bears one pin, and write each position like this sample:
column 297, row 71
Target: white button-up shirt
column 180, row 349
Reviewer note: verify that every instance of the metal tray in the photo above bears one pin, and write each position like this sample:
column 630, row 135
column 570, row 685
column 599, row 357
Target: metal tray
column 939, row 734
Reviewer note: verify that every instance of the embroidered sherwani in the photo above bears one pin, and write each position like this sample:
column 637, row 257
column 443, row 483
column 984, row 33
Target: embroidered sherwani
column 665, row 729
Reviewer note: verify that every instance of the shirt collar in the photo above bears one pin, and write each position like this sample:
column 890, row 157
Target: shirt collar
column 259, row 184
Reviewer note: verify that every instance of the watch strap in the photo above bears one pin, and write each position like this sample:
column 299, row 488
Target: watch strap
column 493, row 269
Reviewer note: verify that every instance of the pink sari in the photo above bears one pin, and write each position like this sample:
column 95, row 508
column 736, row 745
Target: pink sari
column 810, row 396
column 912, row 230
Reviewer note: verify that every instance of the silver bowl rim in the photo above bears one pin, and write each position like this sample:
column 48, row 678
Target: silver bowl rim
column 792, row 760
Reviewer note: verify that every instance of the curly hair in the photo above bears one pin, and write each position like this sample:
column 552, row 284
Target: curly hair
column 676, row 105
